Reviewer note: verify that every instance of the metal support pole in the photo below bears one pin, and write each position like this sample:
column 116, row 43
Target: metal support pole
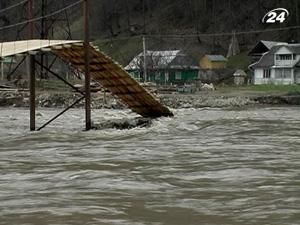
column 44, row 35
column 30, row 16
column 31, row 65
column 88, row 123
column 2, row 70
column 145, row 59
column 104, row 97
column 31, row 68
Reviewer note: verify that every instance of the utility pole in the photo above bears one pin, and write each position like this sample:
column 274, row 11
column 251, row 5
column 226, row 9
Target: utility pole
column 144, row 43
column 2, row 70
column 43, row 20
column 145, row 59
column 43, row 36
column 88, row 123
column 30, row 16
column 31, row 68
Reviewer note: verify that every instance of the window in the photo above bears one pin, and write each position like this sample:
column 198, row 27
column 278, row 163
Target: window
column 267, row 74
column 284, row 57
column 283, row 73
column 177, row 75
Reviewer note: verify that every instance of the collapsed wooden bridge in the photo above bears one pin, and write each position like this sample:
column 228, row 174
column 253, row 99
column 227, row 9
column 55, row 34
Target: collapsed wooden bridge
column 102, row 69
column 115, row 79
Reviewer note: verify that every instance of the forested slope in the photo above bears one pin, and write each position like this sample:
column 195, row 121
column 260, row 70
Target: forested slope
column 123, row 21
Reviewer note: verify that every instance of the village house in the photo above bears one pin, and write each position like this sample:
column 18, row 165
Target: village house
column 261, row 48
column 164, row 67
column 280, row 65
column 213, row 62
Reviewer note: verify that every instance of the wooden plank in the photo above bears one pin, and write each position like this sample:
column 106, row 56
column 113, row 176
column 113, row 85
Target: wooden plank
column 112, row 77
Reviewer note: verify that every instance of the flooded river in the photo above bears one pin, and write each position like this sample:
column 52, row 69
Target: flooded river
column 205, row 166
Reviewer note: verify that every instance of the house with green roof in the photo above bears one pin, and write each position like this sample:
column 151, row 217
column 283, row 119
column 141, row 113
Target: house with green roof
column 164, row 67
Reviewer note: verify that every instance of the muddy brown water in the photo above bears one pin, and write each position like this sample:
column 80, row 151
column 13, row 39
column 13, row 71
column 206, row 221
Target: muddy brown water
column 205, row 166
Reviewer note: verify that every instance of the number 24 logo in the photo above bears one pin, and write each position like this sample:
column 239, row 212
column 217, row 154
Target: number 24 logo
column 276, row 15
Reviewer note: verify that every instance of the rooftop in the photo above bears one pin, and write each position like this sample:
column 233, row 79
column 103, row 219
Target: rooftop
column 270, row 44
column 216, row 58
column 267, row 60
column 264, row 46
column 174, row 59
column 239, row 73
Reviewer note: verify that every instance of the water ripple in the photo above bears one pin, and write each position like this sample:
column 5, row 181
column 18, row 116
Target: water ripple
column 206, row 166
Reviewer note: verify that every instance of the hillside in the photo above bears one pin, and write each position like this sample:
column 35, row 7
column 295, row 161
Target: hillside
column 117, row 19
column 117, row 25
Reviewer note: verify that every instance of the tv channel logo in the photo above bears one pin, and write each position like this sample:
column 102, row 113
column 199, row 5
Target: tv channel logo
column 278, row 15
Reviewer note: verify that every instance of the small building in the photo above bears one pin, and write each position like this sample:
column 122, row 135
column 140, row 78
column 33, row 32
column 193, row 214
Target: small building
column 261, row 48
column 213, row 62
column 164, row 67
column 239, row 77
column 280, row 65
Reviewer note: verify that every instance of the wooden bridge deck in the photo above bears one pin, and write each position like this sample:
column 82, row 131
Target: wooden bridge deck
column 103, row 69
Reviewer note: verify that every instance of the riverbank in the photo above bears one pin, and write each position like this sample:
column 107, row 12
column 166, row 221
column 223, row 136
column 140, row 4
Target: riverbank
column 175, row 100
column 56, row 100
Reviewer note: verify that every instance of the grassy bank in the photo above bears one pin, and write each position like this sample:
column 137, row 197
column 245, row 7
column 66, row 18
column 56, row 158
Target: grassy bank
column 58, row 86
column 259, row 89
column 275, row 88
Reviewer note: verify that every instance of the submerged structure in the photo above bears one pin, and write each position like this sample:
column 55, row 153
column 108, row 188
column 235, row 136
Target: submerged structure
column 101, row 68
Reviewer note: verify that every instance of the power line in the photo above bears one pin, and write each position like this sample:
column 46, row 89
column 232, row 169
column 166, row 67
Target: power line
column 220, row 34
column 183, row 36
column 42, row 17
column 12, row 6
column 119, row 39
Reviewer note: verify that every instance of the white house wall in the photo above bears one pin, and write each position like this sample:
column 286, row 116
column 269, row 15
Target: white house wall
column 259, row 78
